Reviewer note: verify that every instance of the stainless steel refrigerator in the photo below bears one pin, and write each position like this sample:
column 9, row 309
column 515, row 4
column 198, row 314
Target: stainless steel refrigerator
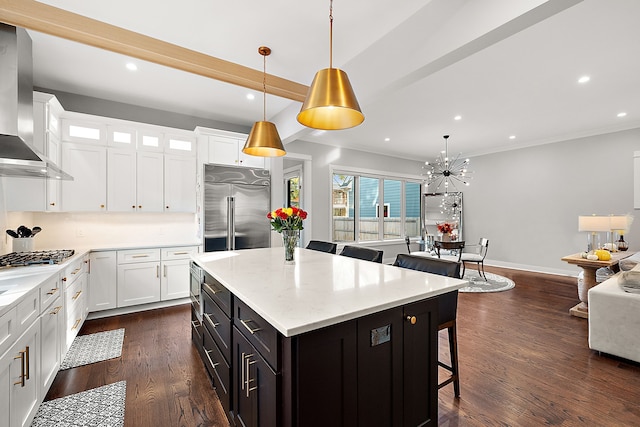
column 236, row 203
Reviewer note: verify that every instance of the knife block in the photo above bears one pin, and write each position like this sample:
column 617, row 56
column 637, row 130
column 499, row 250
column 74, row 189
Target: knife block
column 24, row 244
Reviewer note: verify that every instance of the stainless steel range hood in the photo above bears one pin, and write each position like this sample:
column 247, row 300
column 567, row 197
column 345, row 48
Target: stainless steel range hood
column 18, row 157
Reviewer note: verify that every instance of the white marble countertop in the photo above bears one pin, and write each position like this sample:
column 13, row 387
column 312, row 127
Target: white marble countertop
column 319, row 289
column 17, row 282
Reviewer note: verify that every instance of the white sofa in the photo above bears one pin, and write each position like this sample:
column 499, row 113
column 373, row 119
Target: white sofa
column 614, row 319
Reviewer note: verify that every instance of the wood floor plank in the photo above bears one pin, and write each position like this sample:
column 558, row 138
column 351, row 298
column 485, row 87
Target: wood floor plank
column 524, row 361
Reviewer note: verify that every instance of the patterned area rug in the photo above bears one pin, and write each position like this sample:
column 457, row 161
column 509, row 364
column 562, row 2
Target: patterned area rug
column 93, row 348
column 102, row 406
column 494, row 282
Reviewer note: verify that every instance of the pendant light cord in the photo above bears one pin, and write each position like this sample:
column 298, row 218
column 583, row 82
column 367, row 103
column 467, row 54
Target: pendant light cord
column 264, row 88
column 331, row 34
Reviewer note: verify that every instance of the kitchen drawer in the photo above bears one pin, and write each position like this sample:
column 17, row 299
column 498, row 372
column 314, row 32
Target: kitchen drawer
column 219, row 370
column 138, row 255
column 73, row 295
column 181, row 252
column 27, row 311
column 264, row 337
column 74, row 270
column 196, row 331
column 49, row 291
column 219, row 293
column 7, row 330
column 218, row 325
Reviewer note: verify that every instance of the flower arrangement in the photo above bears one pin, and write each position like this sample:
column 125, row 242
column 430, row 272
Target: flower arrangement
column 287, row 219
column 446, row 227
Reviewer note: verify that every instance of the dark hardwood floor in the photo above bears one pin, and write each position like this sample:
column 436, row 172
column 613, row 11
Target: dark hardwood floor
column 524, row 361
column 166, row 381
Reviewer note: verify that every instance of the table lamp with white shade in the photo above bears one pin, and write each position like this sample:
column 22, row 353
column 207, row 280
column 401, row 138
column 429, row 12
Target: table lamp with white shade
column 619, row 224
column 594, row 224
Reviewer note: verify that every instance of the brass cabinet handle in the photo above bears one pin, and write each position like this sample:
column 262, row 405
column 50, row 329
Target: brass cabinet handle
column 165, row 270
column 140, row 256
column 22, row 368
column 157, row 270
column 64, row 279
column 75, row 297
column 181, row 253
column 52, row 204
column 56, row 310
column 76, row 324
column 412, row 319
column 102, row 206
column 52, row 291
column 252, row 331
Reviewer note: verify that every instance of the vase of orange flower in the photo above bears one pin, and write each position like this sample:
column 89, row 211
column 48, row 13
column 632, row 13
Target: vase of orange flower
column 288, row 222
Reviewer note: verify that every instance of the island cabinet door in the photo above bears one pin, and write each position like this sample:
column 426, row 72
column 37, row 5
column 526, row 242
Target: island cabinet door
column 420, row 353
column 322, row 387
column 380, row 370
column 256, row 387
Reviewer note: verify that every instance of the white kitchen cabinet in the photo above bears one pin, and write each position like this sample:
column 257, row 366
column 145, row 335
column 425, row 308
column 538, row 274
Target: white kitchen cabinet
column 23, row 378
column 138, row 279
column 134, row 181
column 179, row 183
column 75, row 280
column 33, row 194
column 88, row 166
column 175, row 280
column 227, row 150
column 102, row 281
column 149, row 182
column 52, row 329
column 121, row 180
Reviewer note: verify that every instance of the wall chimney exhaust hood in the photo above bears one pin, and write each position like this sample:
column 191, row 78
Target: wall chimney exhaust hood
column 18, row 158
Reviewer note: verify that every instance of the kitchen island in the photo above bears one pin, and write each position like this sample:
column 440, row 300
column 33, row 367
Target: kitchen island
column 328, row 340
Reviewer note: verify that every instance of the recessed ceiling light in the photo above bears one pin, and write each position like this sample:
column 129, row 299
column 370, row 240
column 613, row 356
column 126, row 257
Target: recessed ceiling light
column 387, row 139
column 584, row 79
column 131, row 66
column 622, row 114
column 251, row 96
column 457, row 118
column 512, row 137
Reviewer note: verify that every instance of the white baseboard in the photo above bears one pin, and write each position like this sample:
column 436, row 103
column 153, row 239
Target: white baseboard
column 136, row 308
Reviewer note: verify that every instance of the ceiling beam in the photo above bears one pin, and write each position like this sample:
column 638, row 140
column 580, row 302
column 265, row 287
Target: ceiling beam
column 58, row 22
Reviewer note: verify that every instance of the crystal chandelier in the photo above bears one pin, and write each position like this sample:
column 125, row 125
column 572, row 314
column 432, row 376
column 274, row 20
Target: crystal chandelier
column 451, row 205
column 446, row 173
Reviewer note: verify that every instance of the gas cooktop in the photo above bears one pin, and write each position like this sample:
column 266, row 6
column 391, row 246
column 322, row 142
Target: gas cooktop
column 21, row 259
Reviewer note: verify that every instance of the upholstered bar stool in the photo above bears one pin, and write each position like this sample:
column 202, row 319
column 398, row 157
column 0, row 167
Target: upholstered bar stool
column 447, row 308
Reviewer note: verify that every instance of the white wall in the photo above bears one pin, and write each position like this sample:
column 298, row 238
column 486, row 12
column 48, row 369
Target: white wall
column 525, row 201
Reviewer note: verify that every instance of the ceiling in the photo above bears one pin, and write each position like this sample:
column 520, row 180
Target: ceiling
column 507, row 68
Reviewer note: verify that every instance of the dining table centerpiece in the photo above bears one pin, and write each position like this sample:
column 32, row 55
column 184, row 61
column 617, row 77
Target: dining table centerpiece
column 288, row 222
column 446, row 229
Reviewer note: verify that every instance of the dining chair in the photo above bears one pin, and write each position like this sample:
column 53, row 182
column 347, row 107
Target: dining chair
column 319, row 245
column 447, row 308
column 477, row 255
column 360, row 252
column 455, row 247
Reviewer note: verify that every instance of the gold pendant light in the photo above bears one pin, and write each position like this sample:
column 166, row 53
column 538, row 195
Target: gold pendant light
column 263, row 140
column 331, row 103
